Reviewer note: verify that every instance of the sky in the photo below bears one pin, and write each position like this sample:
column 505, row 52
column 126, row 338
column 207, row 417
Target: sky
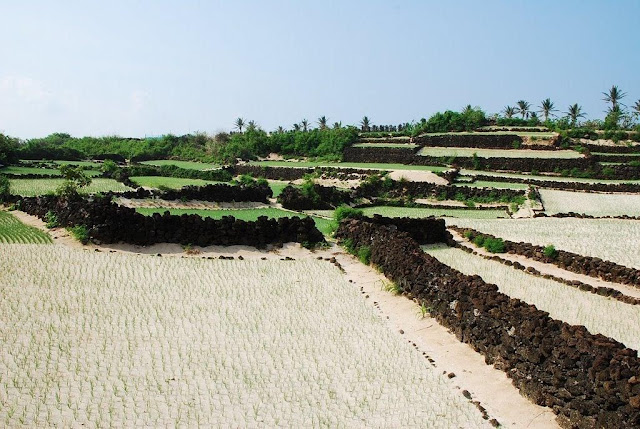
column 146, row 68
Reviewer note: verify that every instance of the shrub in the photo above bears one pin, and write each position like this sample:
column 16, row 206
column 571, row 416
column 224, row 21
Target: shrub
column 550, row 251
column 345, row 211
column 494, row 245
column 364, row 254
column 5, row 188
column 51, row 219
column 80, row 233
column 479, row 240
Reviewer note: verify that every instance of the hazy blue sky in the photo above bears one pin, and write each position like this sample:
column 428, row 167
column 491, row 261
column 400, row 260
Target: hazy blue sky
column 140, row 68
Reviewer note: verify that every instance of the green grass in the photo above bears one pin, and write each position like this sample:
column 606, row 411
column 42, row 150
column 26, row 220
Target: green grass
column 14, row 231
column 496, row 185
column 30, row 170
column 244, row 214
column 80, row 163
column 33, row 187
column 400, row 145
column 418, row 212
column 543, row 135
column 615, row 154
column 190, row 165
column 277, row 187
column 168, row 182
column 373, row 166
column 467, row 152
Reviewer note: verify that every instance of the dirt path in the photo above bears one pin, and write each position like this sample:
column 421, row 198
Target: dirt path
column 551, row 269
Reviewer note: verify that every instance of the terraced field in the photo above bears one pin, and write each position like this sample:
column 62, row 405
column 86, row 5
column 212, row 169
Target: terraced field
column 157, row 182
column 539, row 177
column 364, row 165
column 600, row 315
column 607, row 239
column 190, row 165
column 34, row 187
column 14, row 231
column 140, row 341
column 590, row 203
column 501, row 153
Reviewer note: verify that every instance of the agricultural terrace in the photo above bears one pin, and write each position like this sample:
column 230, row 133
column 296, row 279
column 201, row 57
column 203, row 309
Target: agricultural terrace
column 34, row 187
column 590, row 203
column 496, row 185
column 157, row 182
column 464, row 172
column 386, row 144
column 146, row 341
column 14, row 231
column 324, row 225
column 362, row 165
column 18, row 170
column 540, row 135
column 419, row 212
column 501, row 153
column 607, row 239
column 599, row 314
column 191, row 165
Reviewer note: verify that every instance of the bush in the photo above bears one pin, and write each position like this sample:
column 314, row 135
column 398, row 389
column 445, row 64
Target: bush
column 5, row 188
column 550, row 251
column 80, row 233
column 494, row 245
column 51, row 219
column 479, row 240
column 345, row 211
column 364, row 254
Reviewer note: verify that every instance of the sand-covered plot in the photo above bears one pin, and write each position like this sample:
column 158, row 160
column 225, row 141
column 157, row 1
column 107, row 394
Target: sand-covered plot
column 600, row 315
column 129, row 340
column 608, row 239
column 590, row 203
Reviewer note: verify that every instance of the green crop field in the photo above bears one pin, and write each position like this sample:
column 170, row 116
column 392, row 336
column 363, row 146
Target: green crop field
column 190, row 165
column 33, row 187
column 364, row 165
column 14, row 231
column 29, row 170
column 80, row 163
column 400, row 145
column 168, row 182
column 243, row 214
column 277, row 186
column 540, row 135
column 467, row 152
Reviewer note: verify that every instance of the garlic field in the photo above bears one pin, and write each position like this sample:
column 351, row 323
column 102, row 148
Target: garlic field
column 33, row 187
column 592, row 204
column 612, row 240
column 108, row 339
column 599, row 314
column 14, row 231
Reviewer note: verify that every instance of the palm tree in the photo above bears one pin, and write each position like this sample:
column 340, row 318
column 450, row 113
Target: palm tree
column 467, row 109
column 636, row 109
column 280, row 129
column 239, row 124
column 296, row 127
column 614, row 96
column 509, row 111
column 523, row 108
column 251, row 125
column 322, row 122
column 365, row 124
column 575, row 112
column 337, row 125
column 305, row 125
column 546, row 108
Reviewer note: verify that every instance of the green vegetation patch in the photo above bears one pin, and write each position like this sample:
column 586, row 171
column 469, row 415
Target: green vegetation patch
column 250, row 215
column 14, row 231
column 495, row 185
column 395, row 145
column 158, row 182
column 34, row 187
column 468, row 152
column 191, row 165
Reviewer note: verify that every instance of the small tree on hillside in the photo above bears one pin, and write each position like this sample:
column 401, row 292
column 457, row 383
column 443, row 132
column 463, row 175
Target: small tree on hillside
column 74, row 179
column 5, row 188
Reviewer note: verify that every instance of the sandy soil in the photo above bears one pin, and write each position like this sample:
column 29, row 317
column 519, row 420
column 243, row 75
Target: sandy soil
column 603, row 142
column 347, row 184
column 418, row 176
column 489, row 386
column 552, row 269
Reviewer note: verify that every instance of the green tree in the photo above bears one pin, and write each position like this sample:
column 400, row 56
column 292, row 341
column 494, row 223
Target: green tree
column 509, row 111
column 636, row 109
column 613, row 96
column 239, row 124
column 575, row 112
column 322, row 122
column 74, row 179
column 523, row 108
column 365, row 124
column 305, row 125
column 547, row 108
column 8, row 149
column 5, row 188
